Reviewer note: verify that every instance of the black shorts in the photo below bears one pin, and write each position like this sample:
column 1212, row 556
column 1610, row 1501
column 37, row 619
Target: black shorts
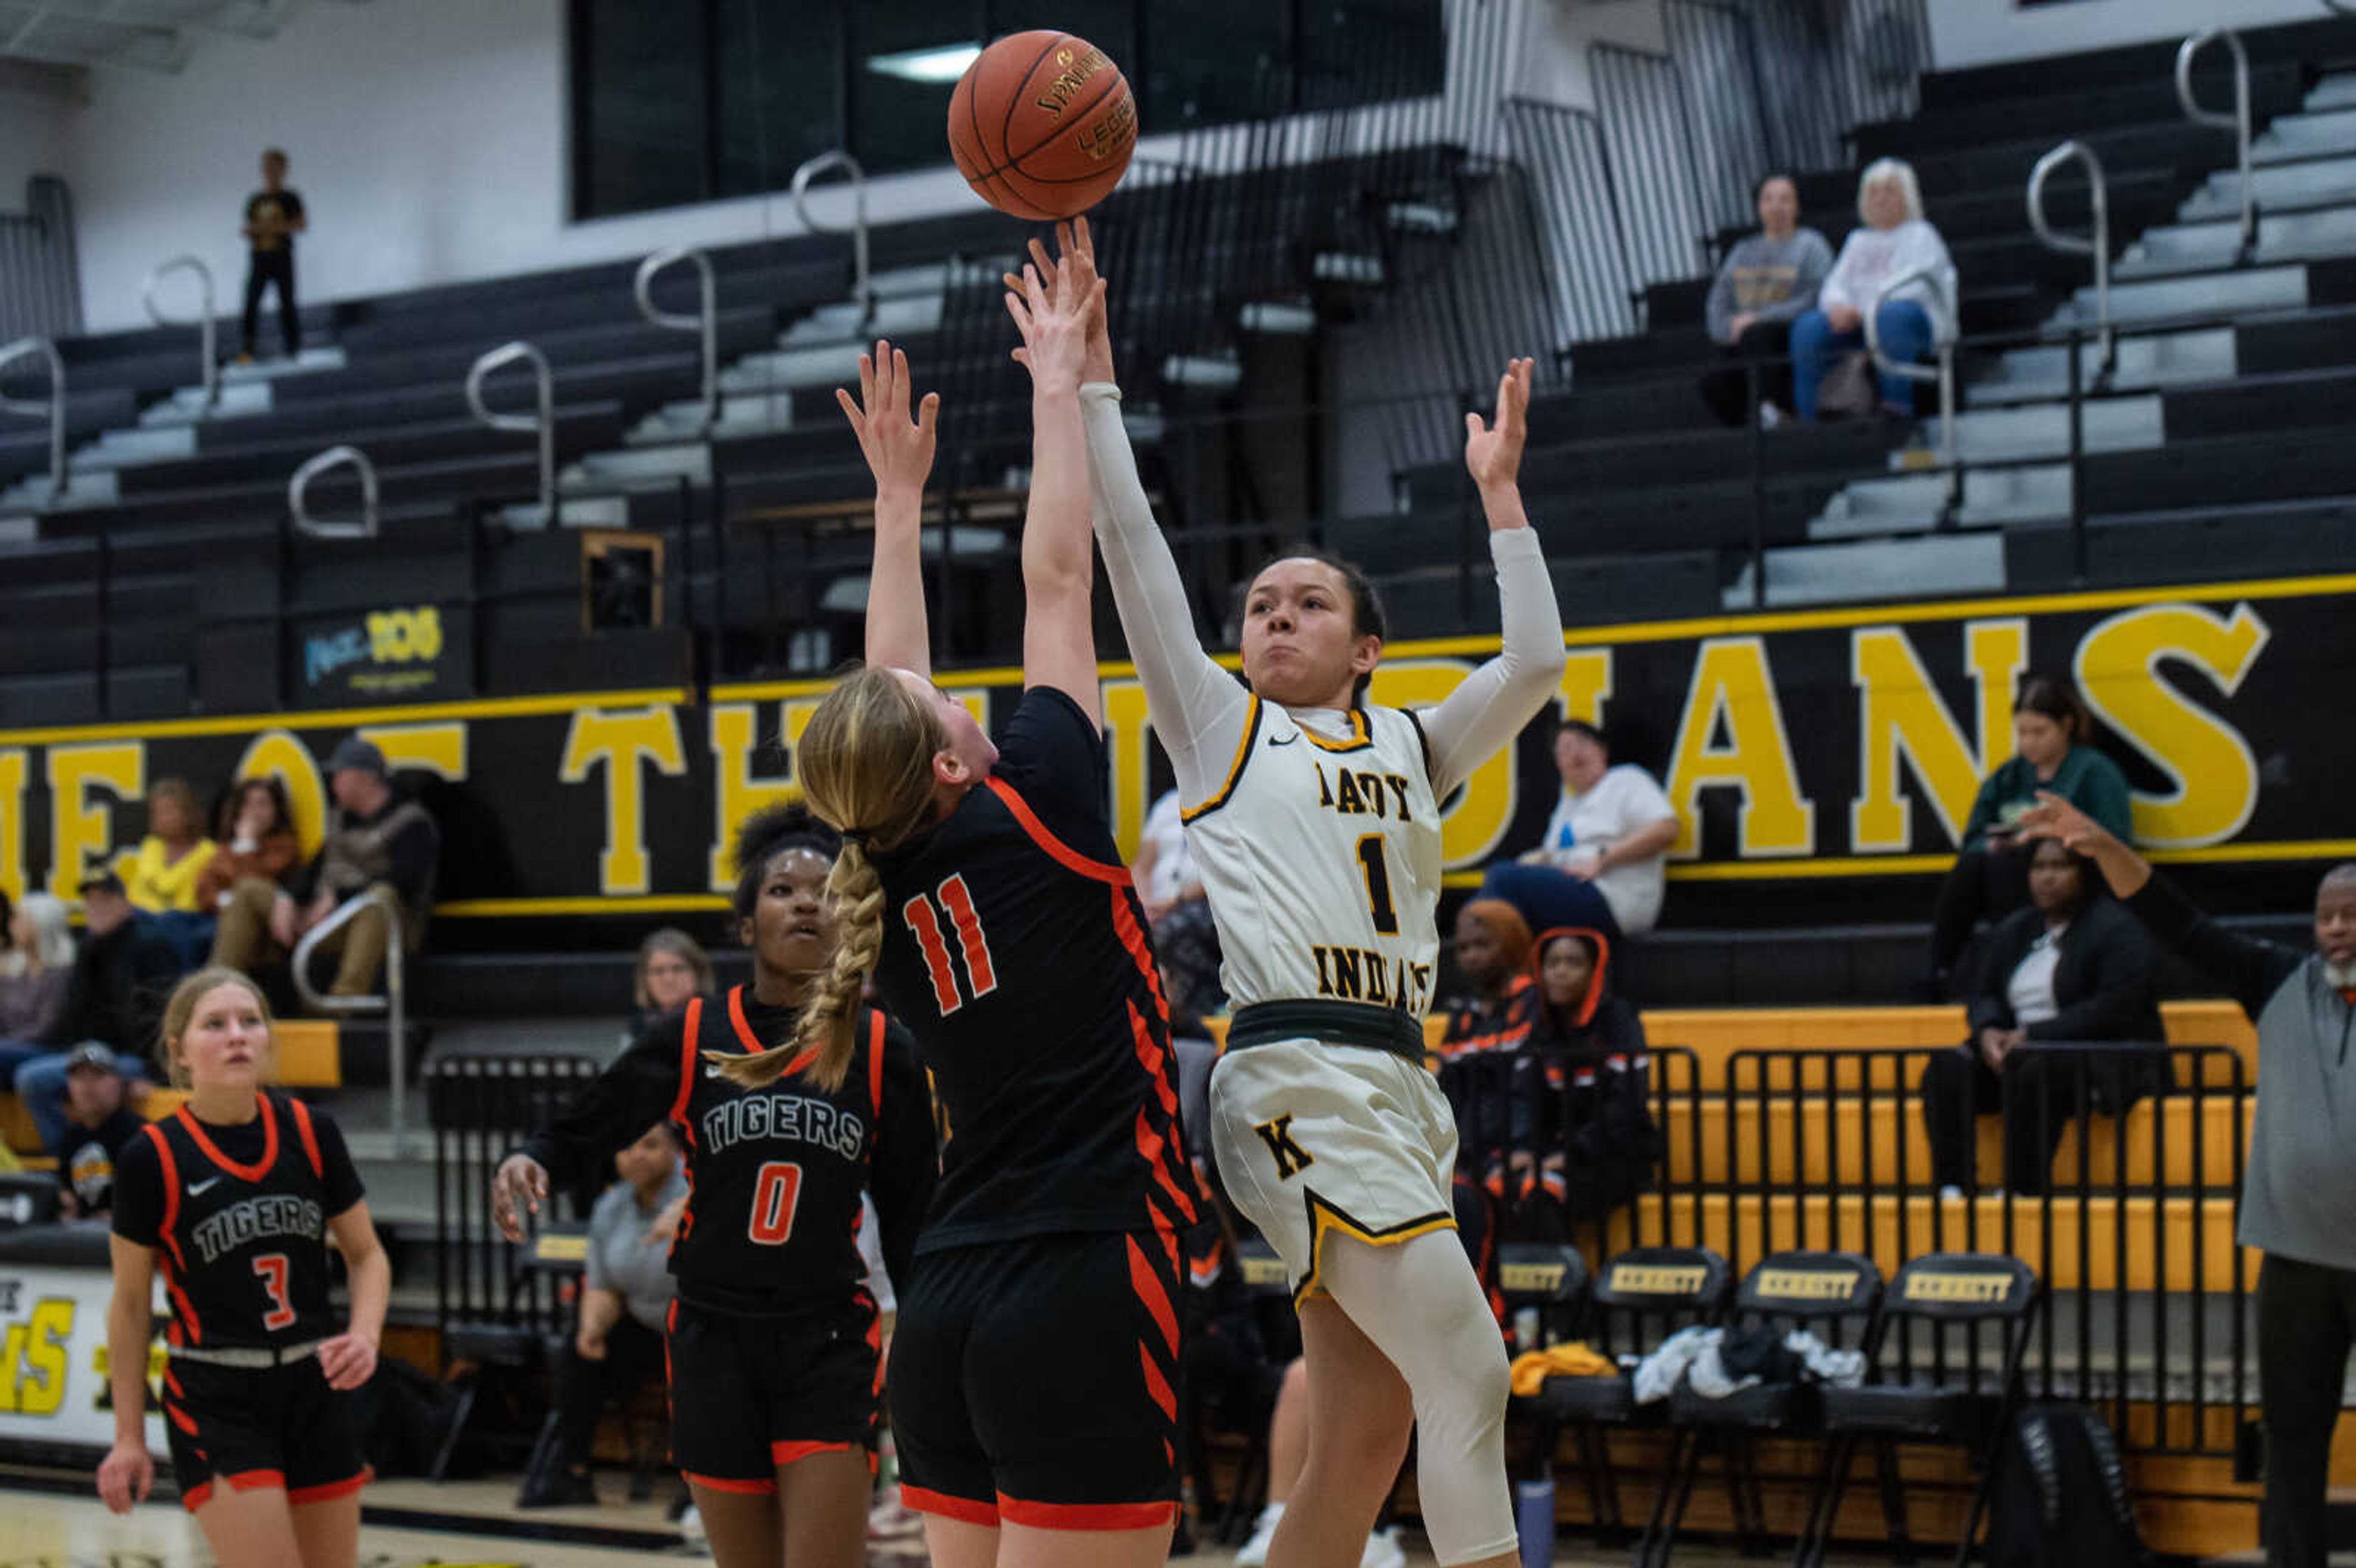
column 750, row 1394
column 1033, row 1381
column 247, row 1428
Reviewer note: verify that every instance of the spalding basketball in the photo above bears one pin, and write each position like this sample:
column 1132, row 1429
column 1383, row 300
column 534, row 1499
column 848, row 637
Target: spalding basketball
column 1041, row 125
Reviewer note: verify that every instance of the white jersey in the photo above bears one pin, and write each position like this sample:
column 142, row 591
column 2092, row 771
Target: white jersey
column 1320, row 855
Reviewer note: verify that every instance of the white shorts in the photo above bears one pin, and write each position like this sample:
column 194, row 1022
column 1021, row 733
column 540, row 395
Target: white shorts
column 1314, row 1137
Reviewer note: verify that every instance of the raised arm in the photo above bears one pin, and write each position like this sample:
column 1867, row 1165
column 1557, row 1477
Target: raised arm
column 1498, row 699
column 1059, row 641
column 899, row 452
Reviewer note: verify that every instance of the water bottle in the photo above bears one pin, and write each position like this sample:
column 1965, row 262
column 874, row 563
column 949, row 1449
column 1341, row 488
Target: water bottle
column 1534, row 1522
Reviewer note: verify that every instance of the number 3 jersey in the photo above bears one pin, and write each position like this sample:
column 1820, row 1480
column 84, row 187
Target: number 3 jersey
column 238, row 1217
column 1321, row 856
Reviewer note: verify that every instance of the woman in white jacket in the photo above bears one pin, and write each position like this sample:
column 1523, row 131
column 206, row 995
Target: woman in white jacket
column 1895, row 241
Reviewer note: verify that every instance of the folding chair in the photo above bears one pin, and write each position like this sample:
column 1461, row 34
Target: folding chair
column 1262, row 1271
column 1943, row 1392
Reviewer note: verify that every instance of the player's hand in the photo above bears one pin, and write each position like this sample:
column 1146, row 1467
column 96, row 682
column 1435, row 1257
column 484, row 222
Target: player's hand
column 588, row 1345
column 899, row 448
column 665, row 1227
column 1055, row 328
column 1074, row 242
column 520, row 1188
column 348, row 1360
column 125, row 1476
column 1493, row 453
column 2054, row 818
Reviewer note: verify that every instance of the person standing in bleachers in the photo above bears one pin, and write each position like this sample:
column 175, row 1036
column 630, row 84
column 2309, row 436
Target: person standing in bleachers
column 2298, row 1190
column 273, row 215
column 1894, row 240
column 1767, row 281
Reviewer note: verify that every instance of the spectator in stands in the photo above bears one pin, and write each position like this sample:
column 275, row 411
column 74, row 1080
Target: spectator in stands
column 2300, row 1187
column 2074, row 968
column 1493, row 952
column 2052, row 740
column 273, row 215
column 1185, row 942
column 1595, row 1144
column 36, row 957
column 171, row 860
column 673, row 970
column 1601, row 864
column 626, row 1289
column 377, row 840
column 255, row 830
column 1893, row 242
column 1767, row 281
column 121, row 978
column 96, row 1124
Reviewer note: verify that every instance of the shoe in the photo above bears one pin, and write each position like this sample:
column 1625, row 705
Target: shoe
column 1383, row 1551
column 1769, row 416
column 1255, row 1551
column 558, row 1488
column 691, row 1527
column 1952, row 1194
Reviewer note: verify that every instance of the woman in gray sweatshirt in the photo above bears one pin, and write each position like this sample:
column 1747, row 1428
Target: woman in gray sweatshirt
column 1767, row 281
column 2298, row 1191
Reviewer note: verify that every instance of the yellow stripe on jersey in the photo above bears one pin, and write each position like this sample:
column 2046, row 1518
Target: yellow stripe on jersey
column 1325, row 1219
column 1234, row 769
column 1360, row 739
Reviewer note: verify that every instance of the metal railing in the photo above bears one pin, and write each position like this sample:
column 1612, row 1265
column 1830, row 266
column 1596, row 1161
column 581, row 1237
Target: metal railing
column 542, row 422
column 392, row 1004
column 54, row 405
column 863, row 287
column 705, row 321
column 298, row 496
column 2098, row 245
column 206, row 327
column 1943, row 314
column 2237, row 122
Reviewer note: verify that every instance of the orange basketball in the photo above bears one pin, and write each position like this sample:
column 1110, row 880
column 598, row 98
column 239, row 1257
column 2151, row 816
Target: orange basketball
column 1041, row 125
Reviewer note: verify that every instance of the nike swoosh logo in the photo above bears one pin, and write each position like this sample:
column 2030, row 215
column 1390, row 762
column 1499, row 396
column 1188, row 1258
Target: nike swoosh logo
column 198, row 1188
column 1282, row 739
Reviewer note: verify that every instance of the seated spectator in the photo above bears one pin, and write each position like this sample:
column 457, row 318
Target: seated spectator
column 37, row 954
column 377, row 839
column 255, row 830
column 1493, row 951
column 2052, row 737
column 1595, row 1143
column 1601, row 865
column 1767, row 281
column 626, row 1289
column 673, row 970
column 171, row 859
column 97, row 1124
column 1185, row 942
column 121, row 978
column 1893, row 241
column 2074, row 968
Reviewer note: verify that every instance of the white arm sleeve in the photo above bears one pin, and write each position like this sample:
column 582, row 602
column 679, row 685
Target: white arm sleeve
column 1489, row 710
column 1197, row 709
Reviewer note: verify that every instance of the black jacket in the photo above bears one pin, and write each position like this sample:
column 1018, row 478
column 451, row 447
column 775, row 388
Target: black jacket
column 2106, row 982
column 121, row 982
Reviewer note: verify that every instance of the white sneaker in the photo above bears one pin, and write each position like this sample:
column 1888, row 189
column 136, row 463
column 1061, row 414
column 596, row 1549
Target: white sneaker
column 1769, row 416
column 1255, row 1551
column 1383, row 1551
column 690, row 1528
column 1951, row 1194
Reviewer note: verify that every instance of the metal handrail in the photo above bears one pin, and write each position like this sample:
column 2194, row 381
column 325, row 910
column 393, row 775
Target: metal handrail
column 2098, row 246
column 299, row 485
column 2238, row 122
column 55, row 406
column 204, row 323
column 1944, row 372
column 544, row 422
column 706, row 321
column 392, row 1004
column 863, row 289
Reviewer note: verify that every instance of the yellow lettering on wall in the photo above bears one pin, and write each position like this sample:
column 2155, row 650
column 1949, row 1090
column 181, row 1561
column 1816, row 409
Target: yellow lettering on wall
column 1732, row 686
column 12, row 1363
column 436, row 749
column 2215, row 776
column 736, row 791
column 82, row 831
column 1125, row 731
column 43, row 1389
column 275, row 753
column 1469, row 829
column 621, row 741
column 11, row 825
column 1586, row 685
column 1900, row 714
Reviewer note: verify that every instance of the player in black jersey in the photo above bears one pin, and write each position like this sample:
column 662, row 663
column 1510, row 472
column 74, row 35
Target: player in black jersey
column 1036, row 1352
column 774, row 1342
column 235, row 1196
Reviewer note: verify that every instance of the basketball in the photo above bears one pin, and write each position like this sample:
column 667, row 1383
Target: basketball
column 1041, row 125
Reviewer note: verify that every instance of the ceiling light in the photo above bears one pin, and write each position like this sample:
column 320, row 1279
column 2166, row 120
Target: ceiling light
column 941, row 63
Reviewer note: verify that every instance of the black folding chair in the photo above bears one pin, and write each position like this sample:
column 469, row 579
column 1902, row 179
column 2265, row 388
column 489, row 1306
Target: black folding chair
column 1823, row 1292
column 1937, row 1387
column 1262, row 1273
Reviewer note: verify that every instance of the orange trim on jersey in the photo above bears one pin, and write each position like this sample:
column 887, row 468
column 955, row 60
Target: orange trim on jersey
column 1157, row 1387
column 792, row 1452
column 1071, row 859
column 875, row 1065
column 722, row 1484
column 180, row 1418
column 172, row 1380
column 301, row 1114
column 1140, row 953
column 969, row 1511
column 253, row 1172
column 687, row 1068
column 297, row 1496
column 1218, row 797
column 751, row 1042
column 244, row 1481
column 1153, row 1293
column 171, row 1168
column 1082, row 1516
column 1151, row 1142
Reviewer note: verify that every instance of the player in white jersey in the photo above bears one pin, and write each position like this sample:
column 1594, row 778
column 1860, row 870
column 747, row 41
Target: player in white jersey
column 1313, row 821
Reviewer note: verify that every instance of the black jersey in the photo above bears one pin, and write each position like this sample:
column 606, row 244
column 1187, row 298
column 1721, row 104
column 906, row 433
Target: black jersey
column 239, row 1215
column 774, row 1174
column 1014, row 947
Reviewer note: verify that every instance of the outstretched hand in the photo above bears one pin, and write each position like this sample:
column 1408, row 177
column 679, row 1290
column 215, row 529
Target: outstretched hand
column 1079, row 251
column 2054, row 818
column 1492, row 451
column 899, row 450
column 1055, row 323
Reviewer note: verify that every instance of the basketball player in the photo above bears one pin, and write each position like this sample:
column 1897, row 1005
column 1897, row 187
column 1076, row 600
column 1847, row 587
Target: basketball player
column 774, row 1341
column 1314, row 817
column 1036, row 1352
column 236, row 1196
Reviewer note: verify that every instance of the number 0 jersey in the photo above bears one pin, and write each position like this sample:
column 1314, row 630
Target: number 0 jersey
column 1321, row 857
